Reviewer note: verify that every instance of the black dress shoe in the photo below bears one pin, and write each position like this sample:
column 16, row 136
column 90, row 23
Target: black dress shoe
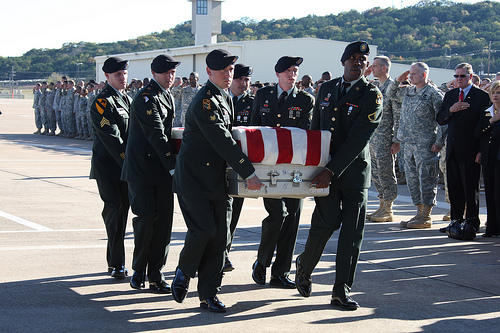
column 213, row 304
column 282, row 281
column 137, row 280
column 228, row 266
column 486, row 235
column 443, row 229
column 302, row 280
column 345, row 302
column 259, row 273
column 180, row 285
column 160, row 286
column 119, row 272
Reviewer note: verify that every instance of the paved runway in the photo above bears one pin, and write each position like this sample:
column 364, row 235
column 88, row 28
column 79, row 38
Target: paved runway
column 53, row 269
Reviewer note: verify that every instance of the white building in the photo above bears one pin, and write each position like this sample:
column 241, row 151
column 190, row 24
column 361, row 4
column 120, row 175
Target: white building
column 319, row 55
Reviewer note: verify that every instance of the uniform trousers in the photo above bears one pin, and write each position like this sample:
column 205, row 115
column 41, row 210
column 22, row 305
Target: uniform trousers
column 38, row 118
column 279, row 231
column 383, row 174
column 114, row 194
column 59, row 119
column 463, row 187
column 205, row 243
column 421, row 166
column 234, row 210
column 153, row 206
column 491, row 174
column 346, row 208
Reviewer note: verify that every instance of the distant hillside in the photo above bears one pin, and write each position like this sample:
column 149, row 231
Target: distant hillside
column 441, row 33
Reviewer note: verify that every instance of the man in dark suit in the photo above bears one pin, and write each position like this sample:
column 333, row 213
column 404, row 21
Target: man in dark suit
column 350, row 107
column 200, row 182
column 242, row 102
column 279, row 106
column 461, row 110
column 148, row 169
column 109, row 114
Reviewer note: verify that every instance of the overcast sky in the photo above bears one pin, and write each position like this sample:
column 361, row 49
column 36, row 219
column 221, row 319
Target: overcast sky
column 29, row 24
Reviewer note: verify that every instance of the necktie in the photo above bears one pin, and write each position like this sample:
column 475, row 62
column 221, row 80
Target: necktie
column 282, row 99
column 461, row 97
column 345, row 85
column 235, row 99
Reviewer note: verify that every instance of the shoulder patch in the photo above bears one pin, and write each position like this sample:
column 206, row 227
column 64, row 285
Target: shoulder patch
column 207, row 105
column 101, row 104
column 145, row 97
column 378, row 100
column 371, row 116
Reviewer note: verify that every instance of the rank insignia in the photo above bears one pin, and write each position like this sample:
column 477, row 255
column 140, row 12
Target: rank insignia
column 206, row 104
column 101, row 105
column 212, row 118
column 104, row 121
column 149, row 112
column 378, row 101
column 242, row 161
column 371, row 116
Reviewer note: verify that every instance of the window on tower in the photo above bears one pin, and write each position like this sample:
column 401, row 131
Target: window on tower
column 201, row 7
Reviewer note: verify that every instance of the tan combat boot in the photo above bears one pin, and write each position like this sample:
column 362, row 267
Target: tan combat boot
column 404, row 224
column 381, row 206
column 447, row 217
column 424, row 221
column 385, row 214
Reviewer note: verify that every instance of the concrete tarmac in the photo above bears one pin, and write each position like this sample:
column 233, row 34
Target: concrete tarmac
column 54, row 274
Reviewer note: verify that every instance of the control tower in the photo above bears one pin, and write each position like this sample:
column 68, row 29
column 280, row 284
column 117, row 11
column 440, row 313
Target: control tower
column 206, row 22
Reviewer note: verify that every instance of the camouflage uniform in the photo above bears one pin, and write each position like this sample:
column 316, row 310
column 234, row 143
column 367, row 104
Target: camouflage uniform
column 62, row 108
column 383, row 174
column 56, row 107
column 41, row 106
column 90, row 99
column 78, row 119
column 69, row 110
column 82, row 109
column 177, row 95
column 38, row 116
column 186, row 98
column 50, row 121
column 419, row 130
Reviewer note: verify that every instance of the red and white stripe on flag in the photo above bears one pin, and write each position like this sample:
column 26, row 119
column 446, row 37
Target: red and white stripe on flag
column 176, row 139
column 278, row 145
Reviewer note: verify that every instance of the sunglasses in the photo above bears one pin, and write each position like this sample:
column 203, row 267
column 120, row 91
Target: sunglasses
column 456, row 76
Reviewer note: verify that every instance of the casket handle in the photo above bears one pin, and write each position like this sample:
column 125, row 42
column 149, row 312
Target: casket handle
column 296, row 178
column 273, row 180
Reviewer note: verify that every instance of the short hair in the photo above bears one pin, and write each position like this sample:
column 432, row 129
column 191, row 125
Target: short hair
column 476, row 79
column 71, row 81
column 494, row 86
column 466, row 66
column 423, row 66
column 487, row 79
column 384, row 60
column 195, row 74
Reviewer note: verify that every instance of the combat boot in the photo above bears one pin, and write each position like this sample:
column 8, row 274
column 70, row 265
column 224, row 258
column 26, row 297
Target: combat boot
column 385, row 214
column 424, row 221
column 381, row 206
column 420, row 207
column 38, row 131
column 447, row 217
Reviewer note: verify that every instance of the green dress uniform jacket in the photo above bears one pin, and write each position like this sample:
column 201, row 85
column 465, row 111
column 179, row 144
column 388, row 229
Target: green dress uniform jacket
column 295, row 112
column 109, row 114
column 207, row 147
column 352, row 121
column 149, row 154
column 243, row 110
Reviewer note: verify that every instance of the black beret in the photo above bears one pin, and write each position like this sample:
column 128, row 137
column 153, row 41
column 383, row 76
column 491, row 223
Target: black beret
column 286, row 62
column 114, row 64
column 163, row 63
column 355, row 47
column 219, row 59
column 242, row 70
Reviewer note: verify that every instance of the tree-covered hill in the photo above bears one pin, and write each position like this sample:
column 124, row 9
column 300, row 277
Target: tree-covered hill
column 441, row 33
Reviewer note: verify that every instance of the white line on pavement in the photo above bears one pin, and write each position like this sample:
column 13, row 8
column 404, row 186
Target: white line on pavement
column 24, row 222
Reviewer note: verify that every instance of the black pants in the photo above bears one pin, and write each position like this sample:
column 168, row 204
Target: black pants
column 463, row 187
column 153, row 206
column 114, row 194
column 279, row 231
column 346, row 208
column 234, row 210
column 205, row 243
column 491, row 175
